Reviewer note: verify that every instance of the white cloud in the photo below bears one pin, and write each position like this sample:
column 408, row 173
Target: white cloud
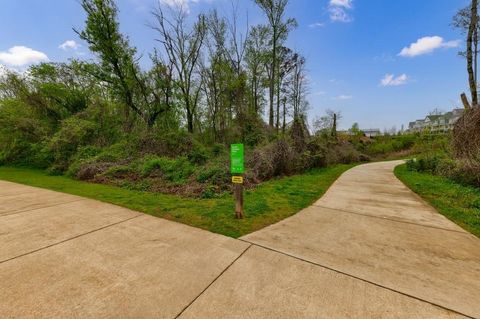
column 182, row 5
column 316, row 25
column 21, row 55
column 69, row 45
column 391, row 80
column 320, row 93
column 427, row 45
column 338, row 10
column 173, row 3
column 341, row 3
column 343, row 97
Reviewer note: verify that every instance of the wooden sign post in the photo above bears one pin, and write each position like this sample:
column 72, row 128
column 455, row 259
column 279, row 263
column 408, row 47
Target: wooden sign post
column 237, row 167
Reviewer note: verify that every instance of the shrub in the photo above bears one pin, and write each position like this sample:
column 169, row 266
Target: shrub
column 118, row 152
column 275, row 159
column 22, row 135
column 424, row 164
column 466, row 139
column 218, row 149
column 74, row 132
column 174, row 170
column 465, row 172
column 120, row 171
column 216, row 175
column 198, row 154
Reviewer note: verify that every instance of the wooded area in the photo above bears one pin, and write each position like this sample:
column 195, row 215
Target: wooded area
column 163, row 121
column 212, row 81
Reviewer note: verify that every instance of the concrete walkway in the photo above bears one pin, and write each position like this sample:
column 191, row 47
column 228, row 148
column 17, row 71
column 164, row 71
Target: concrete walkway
column 370, row 248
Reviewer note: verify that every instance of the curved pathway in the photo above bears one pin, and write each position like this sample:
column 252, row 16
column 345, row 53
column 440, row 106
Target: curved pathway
column 370, row 248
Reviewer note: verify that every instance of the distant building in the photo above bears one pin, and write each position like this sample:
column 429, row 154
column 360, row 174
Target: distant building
column 372, row 132
column 367, row 132
column 436, row 123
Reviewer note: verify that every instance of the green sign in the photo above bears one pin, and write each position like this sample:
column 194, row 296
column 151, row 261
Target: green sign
column 237, row 159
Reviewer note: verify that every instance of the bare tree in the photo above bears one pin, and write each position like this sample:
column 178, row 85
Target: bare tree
column 461, row 21
column 466, row 20
column 329, row 122
column 183, row 46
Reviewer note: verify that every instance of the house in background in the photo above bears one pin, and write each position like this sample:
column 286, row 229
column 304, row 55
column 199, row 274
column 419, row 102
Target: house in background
column 368, row 132
column 436, row 123
column 372, row 132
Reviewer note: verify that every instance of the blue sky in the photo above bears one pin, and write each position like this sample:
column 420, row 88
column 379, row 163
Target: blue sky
column 350, row 46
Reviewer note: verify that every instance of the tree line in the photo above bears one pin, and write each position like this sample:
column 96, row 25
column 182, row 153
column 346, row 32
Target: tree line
column 210, row 75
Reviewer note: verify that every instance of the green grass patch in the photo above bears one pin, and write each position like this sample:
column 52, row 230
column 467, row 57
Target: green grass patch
column 269, row 203
column 457, row 202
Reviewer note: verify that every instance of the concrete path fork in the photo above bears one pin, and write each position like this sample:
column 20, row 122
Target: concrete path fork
column 370, row 248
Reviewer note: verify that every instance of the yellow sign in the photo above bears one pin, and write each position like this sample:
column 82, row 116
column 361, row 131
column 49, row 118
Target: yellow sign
column 237, row 179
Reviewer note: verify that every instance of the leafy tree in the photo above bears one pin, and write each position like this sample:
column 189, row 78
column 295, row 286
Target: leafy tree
column 279, row 29
column 255, row 58
column 119, row 68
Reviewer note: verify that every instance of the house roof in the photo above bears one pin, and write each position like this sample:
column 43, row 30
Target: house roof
column 433, row 117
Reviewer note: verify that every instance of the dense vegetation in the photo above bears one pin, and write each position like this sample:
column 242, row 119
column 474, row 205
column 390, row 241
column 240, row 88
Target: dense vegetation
column 167, row 128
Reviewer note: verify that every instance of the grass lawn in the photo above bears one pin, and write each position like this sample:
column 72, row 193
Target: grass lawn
column 459, row 203
column 267, row 204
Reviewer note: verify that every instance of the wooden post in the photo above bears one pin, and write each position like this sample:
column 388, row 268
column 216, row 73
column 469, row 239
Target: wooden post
column 238, row 190
column 237, row 169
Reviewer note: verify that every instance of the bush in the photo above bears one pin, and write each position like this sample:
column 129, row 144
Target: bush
column 22, row 135
column 74, row 132
column 198, row 154
column 121, row 171
column 466, row 173
column 462, row 172
column 275, row 159
column 90, row 161
column 466, row 139
column 174, row 170
column 424, row 164
column 216, row 175
column 218, row 149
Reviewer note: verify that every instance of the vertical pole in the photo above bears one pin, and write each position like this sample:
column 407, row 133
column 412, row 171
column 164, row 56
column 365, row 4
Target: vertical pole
column 238, row 200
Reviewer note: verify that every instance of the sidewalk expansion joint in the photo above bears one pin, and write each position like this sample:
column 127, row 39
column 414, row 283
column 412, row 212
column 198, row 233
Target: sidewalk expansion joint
column 357, row 278
column 391, row 219
column 68, row 239
column 43, row 207
column 216, row 278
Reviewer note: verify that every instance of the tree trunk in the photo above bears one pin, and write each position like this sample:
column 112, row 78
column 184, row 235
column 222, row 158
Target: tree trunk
column 334, row 127
column 475, row 45
column 470, row 40
column 273, row 76
column 278, row 106
column 189, row 120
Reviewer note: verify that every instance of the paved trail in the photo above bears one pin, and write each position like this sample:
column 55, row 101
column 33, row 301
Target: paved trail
column 370, row 248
